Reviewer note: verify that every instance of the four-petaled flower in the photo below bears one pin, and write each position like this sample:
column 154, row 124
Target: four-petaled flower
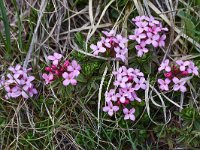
column 110, row 108
column 179, row 84
column 69, row 79
column 164, row 84
column 165, row 66
column 55, row 58
column 129, row 114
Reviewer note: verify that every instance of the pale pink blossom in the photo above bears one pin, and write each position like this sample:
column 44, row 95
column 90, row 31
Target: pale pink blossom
column 74, row 68
column 193, row 69
column 165, row 66
column 164, row 84
column 182, row 64
column 69, row 79
column 137, row 36
column 140, row 83
column 111, row 95
column 55, row 58
column 129, row 114
column 48, row 78
column 179, row 85
column 152, row 39
column 110, row 109
column 141, row 49
column 98, row 48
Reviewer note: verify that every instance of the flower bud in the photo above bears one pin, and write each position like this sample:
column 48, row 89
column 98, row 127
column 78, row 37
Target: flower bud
column 168, row 75
column 184, row 73
column 127, row 102
column 53, row 67
column 48, row 69
column 66, row 63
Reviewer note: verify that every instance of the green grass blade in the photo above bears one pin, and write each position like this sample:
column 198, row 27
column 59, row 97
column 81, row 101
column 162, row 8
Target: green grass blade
column 6, row 26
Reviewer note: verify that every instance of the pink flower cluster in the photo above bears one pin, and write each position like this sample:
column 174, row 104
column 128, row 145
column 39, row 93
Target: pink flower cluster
column 127, row 83
column 175, row 75
column 113, row 44
column 18, row 83
column 149, row 32
column 67, row 70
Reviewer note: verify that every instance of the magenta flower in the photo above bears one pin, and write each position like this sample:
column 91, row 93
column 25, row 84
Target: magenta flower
column 48, row 78
column 69, row 79
column 165, row 66
column 137, row 36
column 179, row 84
column 110, row 108
column 183, row 64
column 164, row 84
column 74, row 68
column 98, row 48
column 129, row 114
column 55, row 58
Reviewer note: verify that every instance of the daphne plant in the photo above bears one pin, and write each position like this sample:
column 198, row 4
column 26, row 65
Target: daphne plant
column 149, row 33
column 127, row 83
column 175, row 75
column 68, row 71
column 111, row 43
column 18, row 83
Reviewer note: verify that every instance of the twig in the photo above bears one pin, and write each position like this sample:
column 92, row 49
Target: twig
column 34, row 38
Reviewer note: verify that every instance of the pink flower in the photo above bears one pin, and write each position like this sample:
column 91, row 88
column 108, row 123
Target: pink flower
column 98, row 48
column 109, row 34
column 193, row 69
column 69, row 79
column 28, row 90
column 55, row 58
column 120, row 53
column 161, row 41
column 13, row 92
column 122, row 96
column 74, row 68
column 164, row 84
column 140, row 83
column 165, row 66
column 137, row 36
column 110, row 108
column 142, row 26
column 141, row 49
column 179, row 84
column 121, row 81
column 129, row 114
column 183, row 64
column 48, row 78
column 152, row 39
column 121, row 41
column 110, row 96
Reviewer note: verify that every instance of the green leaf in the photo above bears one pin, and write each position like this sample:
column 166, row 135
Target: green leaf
column 81, row 78
column 6, row 27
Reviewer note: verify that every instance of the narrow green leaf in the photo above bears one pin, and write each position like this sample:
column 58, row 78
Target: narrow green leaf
column 6, row 26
